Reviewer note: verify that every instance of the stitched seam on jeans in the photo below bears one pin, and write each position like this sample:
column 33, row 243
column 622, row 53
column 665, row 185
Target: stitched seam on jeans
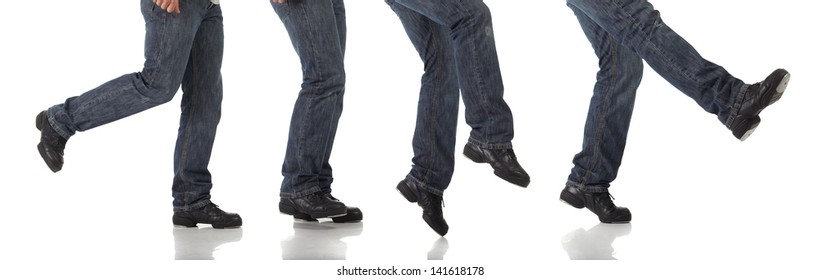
column 481, row 86
column 188, row 123
column 599, row 127
column 433, row 113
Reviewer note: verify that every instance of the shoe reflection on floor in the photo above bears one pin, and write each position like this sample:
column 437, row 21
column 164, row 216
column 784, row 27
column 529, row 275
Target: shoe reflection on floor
column 319, row 240
column 200, row 243
column 595, row 243
column 439, row 249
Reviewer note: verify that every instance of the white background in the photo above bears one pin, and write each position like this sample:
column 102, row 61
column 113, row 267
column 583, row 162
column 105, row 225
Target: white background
column 703, row 203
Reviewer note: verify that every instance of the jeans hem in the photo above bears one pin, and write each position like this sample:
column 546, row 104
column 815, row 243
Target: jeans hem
column 424, row 186
column 589, row 188
column 507, row 145
column 738, row 102
column 306, row 192
column 194, row 206
column 55, row 124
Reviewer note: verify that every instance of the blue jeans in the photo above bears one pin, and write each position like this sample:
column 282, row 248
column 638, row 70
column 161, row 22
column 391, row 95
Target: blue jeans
column 623, row 34
column 317, row 30
column 456, row 43
column 181, row 49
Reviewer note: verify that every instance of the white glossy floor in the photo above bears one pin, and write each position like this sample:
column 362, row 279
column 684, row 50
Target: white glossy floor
column 704, row 205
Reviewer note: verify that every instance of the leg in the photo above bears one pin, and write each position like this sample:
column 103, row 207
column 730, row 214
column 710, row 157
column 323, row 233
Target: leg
column 638, row 26
column 436, row 120
column 201, row 111
column 607, row 125
column 168, row 40
column 313, row 30
column 437, row 116
column 479, row 77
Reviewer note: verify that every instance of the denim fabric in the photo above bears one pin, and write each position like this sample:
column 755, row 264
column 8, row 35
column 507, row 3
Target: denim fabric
column 317, row 30
column 624, row 33
column 184, row 49
column 456, row 43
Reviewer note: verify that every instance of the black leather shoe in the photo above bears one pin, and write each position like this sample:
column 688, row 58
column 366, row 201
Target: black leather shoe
column 316, row 205
column 51, row 144
column 210, row 214
column 599, row 203
column 430, row 205
column 503, row 162
column 758, row 97
column 354, row 214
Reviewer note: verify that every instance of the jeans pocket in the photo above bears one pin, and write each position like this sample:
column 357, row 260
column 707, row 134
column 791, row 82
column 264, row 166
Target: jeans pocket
column 149, row 9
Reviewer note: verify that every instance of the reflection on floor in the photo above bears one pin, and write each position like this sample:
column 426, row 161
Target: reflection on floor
column 200, row 243
column 595, row 243
column 438, row 250
column 319, row 240
column 309, row 241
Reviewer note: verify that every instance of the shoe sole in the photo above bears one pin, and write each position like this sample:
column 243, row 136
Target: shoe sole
column 185, row 222
column 750, row 123
column 477, row 158
column 618, row 220
column 290, row 210
column 349, row 217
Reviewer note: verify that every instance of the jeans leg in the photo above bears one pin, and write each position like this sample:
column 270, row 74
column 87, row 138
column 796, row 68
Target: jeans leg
column 317, row 39
column 201, row 112
column 479, row 75
column 437, row 116
column 168, row 39
column 610, row 110
column 638, row 26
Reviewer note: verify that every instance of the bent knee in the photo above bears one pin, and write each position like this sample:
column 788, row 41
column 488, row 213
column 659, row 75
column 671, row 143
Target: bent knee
column 156, row 91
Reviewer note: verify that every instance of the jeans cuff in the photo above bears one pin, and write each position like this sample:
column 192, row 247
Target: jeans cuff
column 589, row 188
column 421, row 185
column 194, row 206
column 736, row 104
column 52, row 120
column 483, row 145
column 306, row 192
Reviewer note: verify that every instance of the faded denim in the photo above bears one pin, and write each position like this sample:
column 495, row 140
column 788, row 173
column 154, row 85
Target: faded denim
column 180, row 49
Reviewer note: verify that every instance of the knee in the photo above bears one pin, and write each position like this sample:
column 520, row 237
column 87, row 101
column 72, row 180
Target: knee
column 629, row 71
column 156, row 90
column 634, row 66
column 478, row 15
column 327, row 84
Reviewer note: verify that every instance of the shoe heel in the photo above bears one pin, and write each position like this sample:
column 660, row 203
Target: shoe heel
column 182, row 221
column 39, row 120
column 571, row 199
column 287, row 209
column 747, row 126
column 408, row 194
column 473, row 155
